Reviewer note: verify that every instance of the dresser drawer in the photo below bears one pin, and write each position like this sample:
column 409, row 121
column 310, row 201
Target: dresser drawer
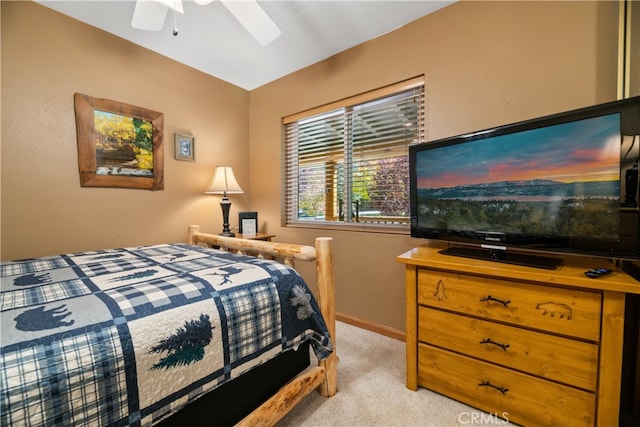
column 560, row 359
column 521, row 398
column 559, row 310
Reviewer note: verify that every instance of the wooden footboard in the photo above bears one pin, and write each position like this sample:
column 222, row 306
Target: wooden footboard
column 322, row 377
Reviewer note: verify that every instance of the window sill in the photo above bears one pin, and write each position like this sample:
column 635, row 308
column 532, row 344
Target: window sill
column 319, row 225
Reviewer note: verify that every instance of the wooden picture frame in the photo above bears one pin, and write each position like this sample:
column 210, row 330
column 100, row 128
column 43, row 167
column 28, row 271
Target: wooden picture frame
column 248, row 223
column 185, row 146
column 119, row 145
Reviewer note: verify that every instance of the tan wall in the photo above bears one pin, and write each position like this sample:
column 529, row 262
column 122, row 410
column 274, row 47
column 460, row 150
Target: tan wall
column 633, row 59
column 46, row 58
column 485, row 64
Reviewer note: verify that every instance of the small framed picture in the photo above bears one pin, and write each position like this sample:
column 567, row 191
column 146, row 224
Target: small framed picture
column 248, row 223
column 185, row 147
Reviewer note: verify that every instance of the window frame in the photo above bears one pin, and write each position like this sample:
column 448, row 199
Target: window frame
column 347, row 104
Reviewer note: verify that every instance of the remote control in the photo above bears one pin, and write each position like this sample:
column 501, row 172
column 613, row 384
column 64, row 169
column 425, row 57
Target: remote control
column 597, row 272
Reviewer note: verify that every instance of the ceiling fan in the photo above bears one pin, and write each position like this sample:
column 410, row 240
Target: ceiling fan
column 151, row 14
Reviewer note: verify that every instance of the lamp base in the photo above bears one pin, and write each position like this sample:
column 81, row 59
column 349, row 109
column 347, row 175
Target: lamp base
column 225, row 204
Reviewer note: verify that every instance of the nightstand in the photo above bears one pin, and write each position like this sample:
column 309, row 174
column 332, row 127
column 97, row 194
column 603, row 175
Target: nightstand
column 257, row 236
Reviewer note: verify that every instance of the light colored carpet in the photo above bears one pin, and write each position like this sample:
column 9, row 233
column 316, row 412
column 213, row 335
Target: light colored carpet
column 372, row 392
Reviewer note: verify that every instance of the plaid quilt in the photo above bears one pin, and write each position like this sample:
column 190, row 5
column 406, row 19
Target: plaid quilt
column 128, row 336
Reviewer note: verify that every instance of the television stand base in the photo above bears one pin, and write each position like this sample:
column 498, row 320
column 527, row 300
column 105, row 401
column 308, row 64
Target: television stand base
column 527, row 260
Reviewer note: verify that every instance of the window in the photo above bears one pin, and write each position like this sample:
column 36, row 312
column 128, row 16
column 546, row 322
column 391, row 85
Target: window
column 346, row 163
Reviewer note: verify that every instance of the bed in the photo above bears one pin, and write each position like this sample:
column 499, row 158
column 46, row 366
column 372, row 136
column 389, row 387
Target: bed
column 137, row 336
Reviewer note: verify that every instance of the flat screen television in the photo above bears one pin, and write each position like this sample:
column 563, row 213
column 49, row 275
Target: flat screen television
column 560, row 184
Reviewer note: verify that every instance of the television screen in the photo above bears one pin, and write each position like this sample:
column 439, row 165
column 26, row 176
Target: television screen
column 562, row 183
column 568, row 186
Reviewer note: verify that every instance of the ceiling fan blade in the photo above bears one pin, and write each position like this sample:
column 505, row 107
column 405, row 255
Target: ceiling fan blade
column 150, row 14
column 254, row 19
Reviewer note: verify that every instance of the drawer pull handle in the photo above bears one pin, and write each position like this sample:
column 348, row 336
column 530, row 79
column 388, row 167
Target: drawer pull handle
column 488, row 384
column 490, row 298
column 490, row 341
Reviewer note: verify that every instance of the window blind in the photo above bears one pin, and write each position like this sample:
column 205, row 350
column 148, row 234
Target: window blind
column 347, row 163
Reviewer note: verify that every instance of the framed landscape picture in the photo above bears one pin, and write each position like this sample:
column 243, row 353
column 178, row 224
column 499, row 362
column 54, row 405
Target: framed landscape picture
column 185, row 147
column 119, row 145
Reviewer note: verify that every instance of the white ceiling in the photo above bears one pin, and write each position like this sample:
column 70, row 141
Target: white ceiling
column 211, row 40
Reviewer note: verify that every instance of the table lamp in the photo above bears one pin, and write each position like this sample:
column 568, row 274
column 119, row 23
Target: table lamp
column 224, row 182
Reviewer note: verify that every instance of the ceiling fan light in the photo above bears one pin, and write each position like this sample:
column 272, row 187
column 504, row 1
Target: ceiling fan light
column 150, row 14
column 172, row 4
column 254, row 19
column 203, row 2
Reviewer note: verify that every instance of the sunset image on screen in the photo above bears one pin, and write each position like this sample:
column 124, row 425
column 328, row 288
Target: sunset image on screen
column 585, row 150
column 559, row 180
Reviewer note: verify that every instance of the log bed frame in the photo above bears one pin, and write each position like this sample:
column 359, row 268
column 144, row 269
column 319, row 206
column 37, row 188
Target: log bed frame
column 322, row 377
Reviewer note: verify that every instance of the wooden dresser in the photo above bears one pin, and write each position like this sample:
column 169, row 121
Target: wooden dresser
column 537, row 347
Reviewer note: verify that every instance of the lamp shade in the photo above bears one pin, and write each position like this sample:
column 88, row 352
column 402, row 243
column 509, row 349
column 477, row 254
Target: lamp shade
column 224, row 182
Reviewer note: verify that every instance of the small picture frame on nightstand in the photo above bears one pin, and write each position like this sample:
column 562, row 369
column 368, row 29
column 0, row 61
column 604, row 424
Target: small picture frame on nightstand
column 248, row 223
